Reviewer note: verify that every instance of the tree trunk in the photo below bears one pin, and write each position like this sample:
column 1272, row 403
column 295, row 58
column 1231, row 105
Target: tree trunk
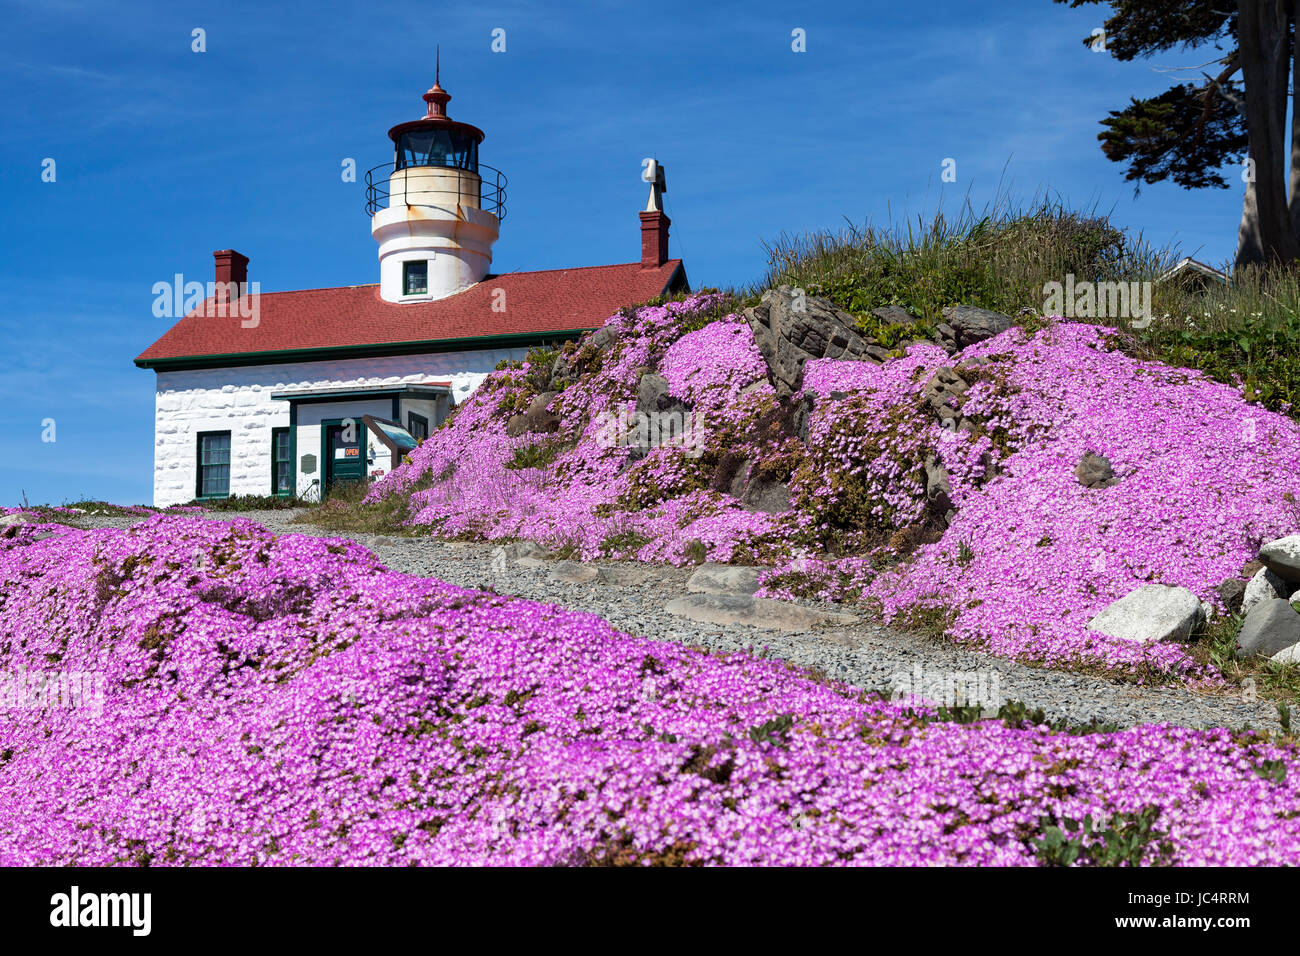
column 1250, row 248
column 1294, row 184
column 1265, row 35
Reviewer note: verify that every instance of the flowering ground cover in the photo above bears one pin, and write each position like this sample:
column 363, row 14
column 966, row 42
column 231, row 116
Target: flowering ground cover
column 288, row 701
column 1027, row 556
column 584, row 497
column 1032, row 555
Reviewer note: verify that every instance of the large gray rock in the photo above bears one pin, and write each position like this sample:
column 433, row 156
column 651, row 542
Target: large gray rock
column 9, row 521
column 1270, row 627
column 1264, row 586
column 652, row 396
column 541, row 402
column 628, row 575
column 944, row 391
column 1095, row 471
column 538, row 418
column 1232, row 592
column 969, row 325
column 573, row 572
column 938, row 487
column 799, row 418
column 560, row 374
column 518, row 552
column 756, row 612
column 736, row 487
column 769, row 497
column 1154, row 612
column 894, row 315
column 723, row 579
column 1282, row 557
column 529, row 549
column 790, row 329
column 652, row 393
column 602, row 339
column 757, row 493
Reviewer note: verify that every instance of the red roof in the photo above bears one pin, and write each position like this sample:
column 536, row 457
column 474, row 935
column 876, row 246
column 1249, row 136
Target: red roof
column 355, row 317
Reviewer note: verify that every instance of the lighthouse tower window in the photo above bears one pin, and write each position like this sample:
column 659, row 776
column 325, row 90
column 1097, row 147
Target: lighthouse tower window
column 415, row 277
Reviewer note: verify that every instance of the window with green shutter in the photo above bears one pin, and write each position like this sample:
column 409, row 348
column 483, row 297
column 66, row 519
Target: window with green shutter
column 281, row 463
column 214, row 465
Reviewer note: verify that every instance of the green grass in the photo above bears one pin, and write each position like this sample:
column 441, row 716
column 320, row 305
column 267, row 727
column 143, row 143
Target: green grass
column 248, row 503
column 623, row 544
column 1245, row 333
column 47, row 514
column 998, row 259
column 1216, row 644
column 344, row 511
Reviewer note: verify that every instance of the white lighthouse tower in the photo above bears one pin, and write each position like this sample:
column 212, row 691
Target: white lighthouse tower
column 435, row 210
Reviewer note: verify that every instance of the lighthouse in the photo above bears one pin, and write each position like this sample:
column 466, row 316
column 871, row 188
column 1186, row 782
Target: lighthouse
column 435, row 210
column 335, row 386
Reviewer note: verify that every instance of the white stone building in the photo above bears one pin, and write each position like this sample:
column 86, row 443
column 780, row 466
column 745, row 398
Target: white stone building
column 287, row 393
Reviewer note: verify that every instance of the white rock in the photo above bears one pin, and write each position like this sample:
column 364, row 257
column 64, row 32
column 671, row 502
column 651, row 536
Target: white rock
column 1282, row 557
column 1288, row 655
column 1154, row 612
column 1264, row 586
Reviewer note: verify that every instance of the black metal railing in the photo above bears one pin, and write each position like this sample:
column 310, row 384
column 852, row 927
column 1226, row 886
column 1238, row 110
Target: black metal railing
column 490, row 197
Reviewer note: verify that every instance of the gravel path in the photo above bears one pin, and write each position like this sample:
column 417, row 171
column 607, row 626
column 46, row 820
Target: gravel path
column 864, row 654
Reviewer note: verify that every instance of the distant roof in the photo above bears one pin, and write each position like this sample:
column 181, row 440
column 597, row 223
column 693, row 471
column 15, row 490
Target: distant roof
column 1189, row 266
column 354, row 320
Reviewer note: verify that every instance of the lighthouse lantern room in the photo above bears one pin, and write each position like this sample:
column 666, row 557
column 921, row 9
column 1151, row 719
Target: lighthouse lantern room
column 435, row 210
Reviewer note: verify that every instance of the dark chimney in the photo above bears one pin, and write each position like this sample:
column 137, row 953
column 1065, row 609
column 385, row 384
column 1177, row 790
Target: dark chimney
column 231, row 267
column 654, row 239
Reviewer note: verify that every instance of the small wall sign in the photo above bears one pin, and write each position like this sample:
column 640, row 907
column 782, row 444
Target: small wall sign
column 308, row 464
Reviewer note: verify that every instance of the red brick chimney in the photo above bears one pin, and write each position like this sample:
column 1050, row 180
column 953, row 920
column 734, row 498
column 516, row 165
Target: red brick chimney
column 654, row 239
column 231, row 267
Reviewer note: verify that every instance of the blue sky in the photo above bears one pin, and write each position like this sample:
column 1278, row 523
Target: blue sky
column 164, row 155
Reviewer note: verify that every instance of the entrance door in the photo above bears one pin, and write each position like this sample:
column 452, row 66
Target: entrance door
column 345, row 459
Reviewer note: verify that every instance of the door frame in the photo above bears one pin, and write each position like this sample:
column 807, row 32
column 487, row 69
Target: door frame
column 327, row 462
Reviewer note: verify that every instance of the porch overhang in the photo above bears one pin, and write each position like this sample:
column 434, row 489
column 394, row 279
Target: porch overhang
column 426, row 390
